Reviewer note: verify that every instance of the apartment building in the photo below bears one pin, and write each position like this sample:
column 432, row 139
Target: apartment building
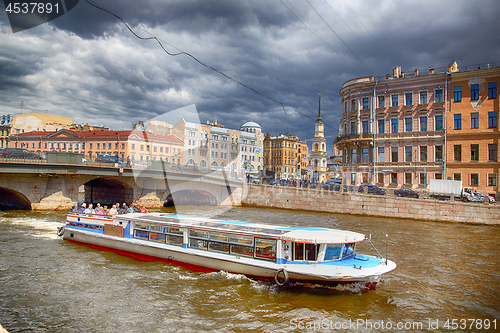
column 392, row 129
column 286, row 156
column 472, row 129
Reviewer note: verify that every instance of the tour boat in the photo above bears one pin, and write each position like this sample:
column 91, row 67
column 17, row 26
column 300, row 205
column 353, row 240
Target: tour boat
column 259, row 251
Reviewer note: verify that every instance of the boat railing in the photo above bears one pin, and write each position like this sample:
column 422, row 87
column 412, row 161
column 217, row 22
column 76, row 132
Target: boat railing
column 92, row 215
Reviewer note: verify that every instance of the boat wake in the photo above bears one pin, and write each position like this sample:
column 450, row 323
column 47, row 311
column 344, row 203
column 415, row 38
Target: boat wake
column 35, row 227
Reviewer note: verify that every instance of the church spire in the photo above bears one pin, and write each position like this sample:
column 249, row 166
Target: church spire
column 319, row 120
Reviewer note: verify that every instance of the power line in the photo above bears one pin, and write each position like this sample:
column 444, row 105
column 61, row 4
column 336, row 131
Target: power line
column 317, row 34
column 388, row 56
column 369, row 49
column 153, row 37
column 354, row 54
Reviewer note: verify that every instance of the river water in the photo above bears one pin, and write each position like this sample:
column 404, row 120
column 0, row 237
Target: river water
column 446, row 271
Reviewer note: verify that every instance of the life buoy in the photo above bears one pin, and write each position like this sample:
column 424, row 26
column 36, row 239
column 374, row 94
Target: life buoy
column 281, row 277
column 60, row 231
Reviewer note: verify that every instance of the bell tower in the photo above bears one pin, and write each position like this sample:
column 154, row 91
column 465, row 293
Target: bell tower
column 318, row 153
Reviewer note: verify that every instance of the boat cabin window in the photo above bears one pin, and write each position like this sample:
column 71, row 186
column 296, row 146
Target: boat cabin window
column 305, row 252
column 158, row 233
column 198, row 233
column 246, row 240
column 333, row 251
column 265, row 248
column 348, row 250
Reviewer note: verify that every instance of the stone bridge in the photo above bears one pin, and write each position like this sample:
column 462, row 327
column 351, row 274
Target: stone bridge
column 41, row 185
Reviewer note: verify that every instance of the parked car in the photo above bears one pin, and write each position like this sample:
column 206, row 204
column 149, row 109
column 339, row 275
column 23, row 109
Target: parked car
column 273, row 182
column 372, row 189
column 19, row 153
column 406, row 192
column 106, row 158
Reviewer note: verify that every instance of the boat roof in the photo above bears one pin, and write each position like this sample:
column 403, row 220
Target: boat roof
column 295, row 234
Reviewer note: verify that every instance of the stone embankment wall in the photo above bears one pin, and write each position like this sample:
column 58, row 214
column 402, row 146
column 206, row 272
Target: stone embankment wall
column 367, row 204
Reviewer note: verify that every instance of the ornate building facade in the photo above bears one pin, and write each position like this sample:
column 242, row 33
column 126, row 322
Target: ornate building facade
column 392, row 130
column 286, row 156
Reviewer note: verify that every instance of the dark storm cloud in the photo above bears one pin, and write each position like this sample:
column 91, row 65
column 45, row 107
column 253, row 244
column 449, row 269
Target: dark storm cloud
column 87, row 65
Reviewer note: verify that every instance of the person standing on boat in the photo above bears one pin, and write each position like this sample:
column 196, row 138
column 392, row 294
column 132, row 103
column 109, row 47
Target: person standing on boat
column 124, row 209
column 144, row 210
column 84, row 206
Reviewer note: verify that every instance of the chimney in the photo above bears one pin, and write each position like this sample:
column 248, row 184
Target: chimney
column 387, row 76
column 395, row 72
column 452, row 66
column 415, row 72
column 402, row 74
column 431, row 70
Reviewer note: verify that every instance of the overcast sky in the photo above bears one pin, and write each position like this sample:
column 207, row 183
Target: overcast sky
column 87, row 65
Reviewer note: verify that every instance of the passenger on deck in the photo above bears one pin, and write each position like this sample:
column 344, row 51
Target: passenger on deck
column 99, row 211
column 144, row 210
column 124, row 209
column 89, row 210
column 84, row 206
column 105, row 210
column 131, row 208
column 113, row 210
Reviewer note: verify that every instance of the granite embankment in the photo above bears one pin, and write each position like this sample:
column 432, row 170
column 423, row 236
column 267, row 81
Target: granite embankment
column 366, row 204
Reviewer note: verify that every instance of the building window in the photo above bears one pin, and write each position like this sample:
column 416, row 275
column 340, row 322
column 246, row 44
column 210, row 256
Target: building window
column 438, row 96
column 364, row 177
column 381, row 154
column 394, row 125
column 438, row 176
column 364, row 153
column 457, row 94
column 492, row 152
column 394, row 177
column 492, row 179
column 474, row 120
column 409, row 98
column 423, row 124
column 474, row 152
column 492, row 90
column 439, row 153
column 423, row 179
column 474, row 92
column 408, row 124
column 457, row 176
column 457, row 153
column 457, row 121
column 474, row 179
column 380, row 177
column 423, row 97
column 408, row 178
column 439, row 123
column 394, row 154
column 408, row 154
column 394, row 100
column 353, row 127
column 365, row 127
column 381, row 126
column 90, row 145
column 353, row 155
column 381, row 101
column 365, row 103
column 492, row 119
column 423, row 153
column 353, row 178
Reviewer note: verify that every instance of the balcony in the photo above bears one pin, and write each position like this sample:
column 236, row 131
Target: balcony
column 354, row 137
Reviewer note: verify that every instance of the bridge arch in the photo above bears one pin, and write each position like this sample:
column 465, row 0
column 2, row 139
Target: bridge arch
column 108, row 191
column 191, row 198
column 13, row 200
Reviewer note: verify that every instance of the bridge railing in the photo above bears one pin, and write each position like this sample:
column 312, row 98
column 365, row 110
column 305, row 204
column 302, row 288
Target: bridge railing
column 146, row 165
